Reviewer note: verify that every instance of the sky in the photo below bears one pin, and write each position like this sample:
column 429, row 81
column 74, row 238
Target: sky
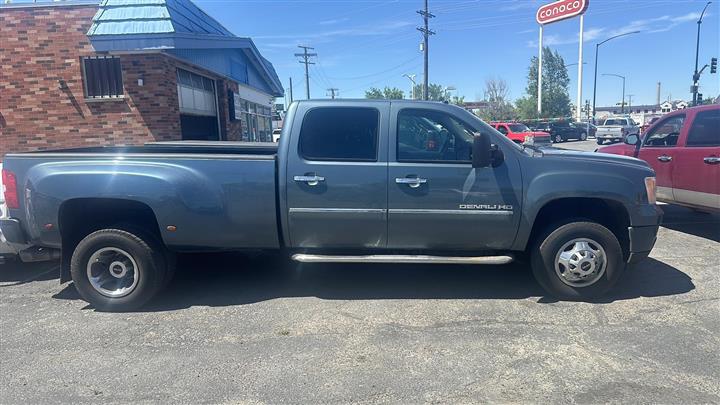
column 372, row 43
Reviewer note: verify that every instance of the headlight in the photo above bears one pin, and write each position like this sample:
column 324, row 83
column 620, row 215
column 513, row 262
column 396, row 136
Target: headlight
column 651, row 189
column 528, row 139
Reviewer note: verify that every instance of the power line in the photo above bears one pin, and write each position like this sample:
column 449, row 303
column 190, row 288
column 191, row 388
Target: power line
column 306, row 61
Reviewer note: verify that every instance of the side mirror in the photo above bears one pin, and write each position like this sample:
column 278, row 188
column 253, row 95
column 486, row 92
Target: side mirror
column 481, row 151
column 632, row 139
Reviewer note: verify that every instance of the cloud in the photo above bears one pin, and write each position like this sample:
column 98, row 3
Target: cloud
column 333, row 21
column 383, row 28
column 645, row 26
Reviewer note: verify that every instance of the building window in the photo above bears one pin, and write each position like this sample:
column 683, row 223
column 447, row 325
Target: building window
column 103, row 77
column 196, row 94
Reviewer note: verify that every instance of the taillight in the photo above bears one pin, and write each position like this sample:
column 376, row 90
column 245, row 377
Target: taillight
column 9, row 181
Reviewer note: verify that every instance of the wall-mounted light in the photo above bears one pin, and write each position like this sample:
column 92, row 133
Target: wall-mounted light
column 62, row 85
column 141, row 81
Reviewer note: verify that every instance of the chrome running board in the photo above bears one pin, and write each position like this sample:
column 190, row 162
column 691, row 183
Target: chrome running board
column 307, row 258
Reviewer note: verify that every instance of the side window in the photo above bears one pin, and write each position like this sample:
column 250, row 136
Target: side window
column 666, row 133
column 705, row 130
column 340, row 133
column 426, row 135
column 502, row 129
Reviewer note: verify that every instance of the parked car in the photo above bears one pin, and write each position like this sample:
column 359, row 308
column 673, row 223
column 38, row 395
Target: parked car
column 561, row 131
column 683, row 148
column 276, row 134
column 615, row 129
column 438, row 185
column 520, row 133
column 587, row 127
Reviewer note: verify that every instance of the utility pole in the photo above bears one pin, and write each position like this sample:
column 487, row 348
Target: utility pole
column 412, row 86
column 696, row 75
column 426, row 34
column 291, row 97
column 306, row 61
column 630, row 96
column 333, row 92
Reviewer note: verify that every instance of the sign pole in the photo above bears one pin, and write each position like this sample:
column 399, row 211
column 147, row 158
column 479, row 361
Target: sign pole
column 580, row 70
column 540, row 54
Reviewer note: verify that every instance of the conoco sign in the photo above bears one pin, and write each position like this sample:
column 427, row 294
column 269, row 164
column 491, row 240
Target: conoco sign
column 560, row 10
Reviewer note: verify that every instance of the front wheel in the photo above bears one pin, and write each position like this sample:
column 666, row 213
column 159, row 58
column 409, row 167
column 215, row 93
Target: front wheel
column 583, row 136
column 115, row 270
column 577, row 260
column 558, row 138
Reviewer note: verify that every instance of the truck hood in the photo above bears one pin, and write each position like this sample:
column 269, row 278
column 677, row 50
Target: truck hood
column 595, row 157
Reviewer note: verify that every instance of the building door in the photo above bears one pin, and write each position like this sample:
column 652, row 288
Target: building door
column 198, row 107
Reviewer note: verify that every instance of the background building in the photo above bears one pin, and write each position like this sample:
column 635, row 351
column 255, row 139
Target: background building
column 79, row 73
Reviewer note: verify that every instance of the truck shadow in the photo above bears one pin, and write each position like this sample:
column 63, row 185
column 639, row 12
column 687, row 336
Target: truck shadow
column 225, row 280
column 685, row 220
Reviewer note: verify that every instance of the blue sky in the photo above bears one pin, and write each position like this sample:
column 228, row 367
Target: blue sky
column 365, row 43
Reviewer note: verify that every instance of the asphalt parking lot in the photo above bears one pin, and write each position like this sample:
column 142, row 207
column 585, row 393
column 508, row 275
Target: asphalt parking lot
column 234, row 329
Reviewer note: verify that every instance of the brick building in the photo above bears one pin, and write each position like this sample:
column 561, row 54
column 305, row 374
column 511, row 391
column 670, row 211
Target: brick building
column 79, row 73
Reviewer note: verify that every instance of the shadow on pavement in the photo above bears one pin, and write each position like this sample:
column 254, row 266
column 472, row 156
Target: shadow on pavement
column 685, row 220
column 229, row 279
column 15, row 272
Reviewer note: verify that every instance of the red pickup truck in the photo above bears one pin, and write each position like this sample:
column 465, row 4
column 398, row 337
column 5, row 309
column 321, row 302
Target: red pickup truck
column 683, row 147
column 520, row 133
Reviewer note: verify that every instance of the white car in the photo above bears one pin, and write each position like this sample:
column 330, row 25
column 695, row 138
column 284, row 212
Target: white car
column 616, row 129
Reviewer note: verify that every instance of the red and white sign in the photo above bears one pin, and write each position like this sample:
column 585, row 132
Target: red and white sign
column 561, row 10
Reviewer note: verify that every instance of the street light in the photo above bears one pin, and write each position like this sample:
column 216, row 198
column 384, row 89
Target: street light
column 622, row 104
column 412, row 89
column 446, row 89
column 597, row 46
column 696, row 75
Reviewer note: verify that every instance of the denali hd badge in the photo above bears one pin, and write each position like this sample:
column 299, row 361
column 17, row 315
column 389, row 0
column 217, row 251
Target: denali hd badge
column 486, row 207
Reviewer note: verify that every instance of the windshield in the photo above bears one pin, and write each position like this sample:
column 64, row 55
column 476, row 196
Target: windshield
column 518, row 128
column 615, row 122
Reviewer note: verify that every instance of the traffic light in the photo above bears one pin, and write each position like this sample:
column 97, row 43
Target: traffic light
column 713, row 65
column 699, row 99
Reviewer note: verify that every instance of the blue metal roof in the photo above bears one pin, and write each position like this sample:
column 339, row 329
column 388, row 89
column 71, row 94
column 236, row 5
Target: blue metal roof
column 135, row 25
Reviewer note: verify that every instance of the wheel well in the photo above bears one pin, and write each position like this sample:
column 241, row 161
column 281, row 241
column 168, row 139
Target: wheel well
column 608, row 213
column 80, row 217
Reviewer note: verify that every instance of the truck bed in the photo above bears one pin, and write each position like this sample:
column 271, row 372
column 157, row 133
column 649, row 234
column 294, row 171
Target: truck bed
column 176, row 147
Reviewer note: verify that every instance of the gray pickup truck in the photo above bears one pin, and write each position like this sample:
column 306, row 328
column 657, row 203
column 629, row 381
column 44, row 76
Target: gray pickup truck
column 350, row 181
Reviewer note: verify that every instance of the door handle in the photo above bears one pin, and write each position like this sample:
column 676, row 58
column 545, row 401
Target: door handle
column 712, row 160
column 309, row 180
column 413, row 182
column 664, row 158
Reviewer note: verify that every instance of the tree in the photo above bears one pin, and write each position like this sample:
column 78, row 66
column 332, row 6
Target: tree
column 555, row 96
column 387, row 93
column 436, row 92
column 496, row 95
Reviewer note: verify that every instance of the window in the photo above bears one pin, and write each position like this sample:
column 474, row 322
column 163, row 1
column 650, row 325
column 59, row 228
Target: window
column 502, row 129
column 196, row 94
column 616, row 122
column 705, row 130
column 666, row 133
column 519, row 128
column 340, row 133
column 424, row 135
column 103, row 77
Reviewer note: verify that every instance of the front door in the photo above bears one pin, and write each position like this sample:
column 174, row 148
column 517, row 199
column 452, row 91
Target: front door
column 436, row 200
column 337, row 177
column 658, row 150
column 696, row 176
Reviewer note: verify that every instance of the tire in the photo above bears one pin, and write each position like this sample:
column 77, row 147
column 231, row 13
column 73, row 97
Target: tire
column 600, row 141
column 597, row 281
column 138, row 265
column 557, row 138
column 583, row 136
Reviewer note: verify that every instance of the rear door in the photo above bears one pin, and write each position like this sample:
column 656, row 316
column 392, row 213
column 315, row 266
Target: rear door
column 696, row 175
column 436, row 200
column 658, row 150
column 337, row 177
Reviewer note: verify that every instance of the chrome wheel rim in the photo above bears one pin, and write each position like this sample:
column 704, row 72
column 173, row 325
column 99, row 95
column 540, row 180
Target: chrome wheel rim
column 580, row 262
column 113, row 272
column 558, row 138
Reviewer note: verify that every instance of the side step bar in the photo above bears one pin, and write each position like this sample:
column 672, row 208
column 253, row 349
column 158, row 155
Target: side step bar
column 307, row 258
